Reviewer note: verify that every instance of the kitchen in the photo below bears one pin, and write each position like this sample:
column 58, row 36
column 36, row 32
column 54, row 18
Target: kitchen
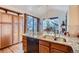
column 40, row 32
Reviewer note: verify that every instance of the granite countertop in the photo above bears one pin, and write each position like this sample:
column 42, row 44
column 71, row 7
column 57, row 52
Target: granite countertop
column 70, row 41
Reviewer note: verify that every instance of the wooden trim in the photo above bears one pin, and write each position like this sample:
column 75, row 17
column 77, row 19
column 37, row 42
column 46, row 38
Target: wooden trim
column 31, row 16
column 12, row 30
column 11, row 14
column 38, row 23
column 1, row 32
column 25, row 21
column 10, row 10
column 58, row 50
column 18, row 28
column 5, row 23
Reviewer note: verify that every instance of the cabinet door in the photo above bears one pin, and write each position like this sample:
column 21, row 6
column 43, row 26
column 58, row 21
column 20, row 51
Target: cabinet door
column 0, row 30
column 6, row 35
column 6, row 18
column 56, row 51
column 0, row 35
column 43, row 46
column 15, row 29
column 24, row 43
column 6, row 31
column 43, row 49
column 56, row 47
column 21, row 28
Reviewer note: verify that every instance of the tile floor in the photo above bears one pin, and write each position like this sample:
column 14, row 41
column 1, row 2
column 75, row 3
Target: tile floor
column 13, row 49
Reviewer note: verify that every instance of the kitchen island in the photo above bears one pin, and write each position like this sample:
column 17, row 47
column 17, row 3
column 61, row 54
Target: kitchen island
column 46, row 44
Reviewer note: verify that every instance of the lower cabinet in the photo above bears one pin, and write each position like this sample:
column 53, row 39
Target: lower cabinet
column 33, row 45
column 24, row 40
column 43, row 49
column 43, row 46
column 60, row 48
column 55, row 51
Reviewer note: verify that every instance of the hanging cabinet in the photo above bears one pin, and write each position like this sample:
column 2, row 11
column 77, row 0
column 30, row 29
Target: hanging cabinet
column 10, row 33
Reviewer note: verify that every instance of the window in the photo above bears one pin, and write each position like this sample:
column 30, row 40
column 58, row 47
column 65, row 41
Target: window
column 31, row 24
column 51, row 25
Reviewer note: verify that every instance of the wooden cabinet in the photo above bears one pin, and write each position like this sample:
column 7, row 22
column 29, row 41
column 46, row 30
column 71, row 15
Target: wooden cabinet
column 15, row 29
column 43, row 46
column 45, row 43
column 0, row 30
column 10, row 31
column 6, row 38
column 43, row 49
column 6, row 35
column 21, row 28
column 31, row 45
column 0, row 35
column 24, row 43
column 55, row 51
column 60, row 48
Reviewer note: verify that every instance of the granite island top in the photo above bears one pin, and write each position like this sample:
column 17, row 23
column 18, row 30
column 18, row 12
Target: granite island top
column 70, row 41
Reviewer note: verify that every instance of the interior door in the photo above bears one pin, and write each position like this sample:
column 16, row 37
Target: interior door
column 6, row 30
column 15, row 29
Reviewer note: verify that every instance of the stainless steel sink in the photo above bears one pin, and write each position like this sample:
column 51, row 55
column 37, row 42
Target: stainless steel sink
column 55, row 38
column 60, row 39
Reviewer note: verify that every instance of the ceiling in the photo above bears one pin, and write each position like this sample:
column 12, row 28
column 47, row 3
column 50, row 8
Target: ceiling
column 39, row 10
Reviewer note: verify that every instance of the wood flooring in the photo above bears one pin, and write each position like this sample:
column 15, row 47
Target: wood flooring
column 13, row 49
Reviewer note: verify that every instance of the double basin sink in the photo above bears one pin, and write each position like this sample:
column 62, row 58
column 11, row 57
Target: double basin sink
column 54, row 38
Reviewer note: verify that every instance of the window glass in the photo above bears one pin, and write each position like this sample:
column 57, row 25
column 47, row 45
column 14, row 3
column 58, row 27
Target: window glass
column 51, row 25
column 29, row 24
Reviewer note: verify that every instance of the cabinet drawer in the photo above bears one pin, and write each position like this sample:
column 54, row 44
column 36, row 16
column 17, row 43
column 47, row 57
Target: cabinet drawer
column 43, row 49
column 43, row 42
column 56, row 51
column 60, row 47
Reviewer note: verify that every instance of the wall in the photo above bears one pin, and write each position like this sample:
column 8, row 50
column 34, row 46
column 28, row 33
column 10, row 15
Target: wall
column 73, row 20
column 41, row 11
